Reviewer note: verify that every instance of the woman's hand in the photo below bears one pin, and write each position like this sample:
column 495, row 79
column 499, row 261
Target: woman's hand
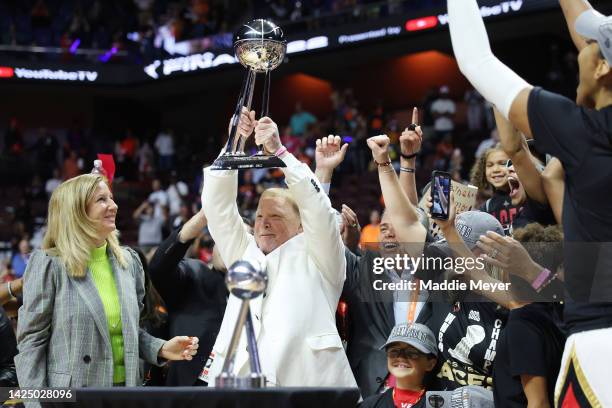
column 508, row 254
column 380, row 148
column 179, row 348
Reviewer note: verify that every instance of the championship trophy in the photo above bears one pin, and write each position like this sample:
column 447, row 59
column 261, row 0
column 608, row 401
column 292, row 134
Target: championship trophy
column 245, row 281
column 260, row 47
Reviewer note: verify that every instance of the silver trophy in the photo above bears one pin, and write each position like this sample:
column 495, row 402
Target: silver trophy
column 260, row 47
column 245, row 281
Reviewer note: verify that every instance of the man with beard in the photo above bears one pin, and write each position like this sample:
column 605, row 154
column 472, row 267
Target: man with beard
column 373, row 314
column 579, row 135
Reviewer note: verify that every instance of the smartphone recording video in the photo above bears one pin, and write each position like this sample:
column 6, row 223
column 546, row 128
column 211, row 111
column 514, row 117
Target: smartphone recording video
column 440, row 194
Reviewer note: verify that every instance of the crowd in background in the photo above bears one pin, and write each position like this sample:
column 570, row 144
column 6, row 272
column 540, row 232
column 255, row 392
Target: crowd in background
column 158, row 164
column 141, row 30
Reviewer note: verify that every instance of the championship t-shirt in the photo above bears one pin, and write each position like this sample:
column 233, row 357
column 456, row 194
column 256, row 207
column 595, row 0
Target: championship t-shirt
column 466, row 327
column 467, row 335
column 581, row 139
column 500, row 206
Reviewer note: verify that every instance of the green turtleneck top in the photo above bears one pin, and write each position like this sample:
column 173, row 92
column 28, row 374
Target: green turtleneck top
column 102, row 274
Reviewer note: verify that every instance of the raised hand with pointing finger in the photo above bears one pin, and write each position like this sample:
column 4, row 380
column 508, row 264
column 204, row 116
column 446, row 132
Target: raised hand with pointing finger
column 412, row 137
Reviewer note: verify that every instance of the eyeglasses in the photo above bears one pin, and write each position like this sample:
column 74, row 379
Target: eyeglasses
column 405, row 353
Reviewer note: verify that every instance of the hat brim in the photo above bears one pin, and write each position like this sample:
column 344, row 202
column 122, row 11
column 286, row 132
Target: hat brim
column 587, row 24
column 414, row 344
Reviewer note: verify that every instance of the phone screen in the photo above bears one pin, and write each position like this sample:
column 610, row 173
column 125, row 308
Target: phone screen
column 440, row 194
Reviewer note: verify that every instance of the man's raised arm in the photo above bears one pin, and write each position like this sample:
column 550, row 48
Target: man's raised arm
column 219, row 204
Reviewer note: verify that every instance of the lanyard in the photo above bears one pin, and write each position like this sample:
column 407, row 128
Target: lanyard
column 414, row 297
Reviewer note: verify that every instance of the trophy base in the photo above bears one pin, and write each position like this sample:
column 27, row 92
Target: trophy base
column 225, row 380
column 237, row 161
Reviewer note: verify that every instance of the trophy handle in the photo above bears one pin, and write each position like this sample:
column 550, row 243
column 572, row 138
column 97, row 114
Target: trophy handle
column 246, row 92
column 249, row 101
column 253, row 351
column 265, row 104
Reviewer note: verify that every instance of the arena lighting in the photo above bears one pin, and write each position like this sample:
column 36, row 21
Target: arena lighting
column 369, row 35
column 107, row 55
column 306, row 45
column 504, row 7
column 422, row 23
column 75, row 44
column 207, row 60
column 56, row 75
column 191, row 63
column 6, row 72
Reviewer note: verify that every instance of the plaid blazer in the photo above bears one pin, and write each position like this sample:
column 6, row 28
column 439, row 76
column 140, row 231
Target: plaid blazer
column 62, row 332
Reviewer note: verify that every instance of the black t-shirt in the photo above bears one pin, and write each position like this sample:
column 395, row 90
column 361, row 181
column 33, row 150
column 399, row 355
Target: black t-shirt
column 500, row 206
column 530, row 344
column 466, row 327
column 532, row 211
column 467, row 334
column 582, row 140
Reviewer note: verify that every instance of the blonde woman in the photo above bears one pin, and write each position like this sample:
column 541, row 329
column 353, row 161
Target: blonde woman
column 82, row 297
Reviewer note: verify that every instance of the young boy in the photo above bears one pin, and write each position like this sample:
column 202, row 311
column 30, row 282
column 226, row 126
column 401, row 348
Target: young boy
column 411, row 357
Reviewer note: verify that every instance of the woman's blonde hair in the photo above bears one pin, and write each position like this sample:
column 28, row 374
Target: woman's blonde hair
column 71, row 234
column 478, row 174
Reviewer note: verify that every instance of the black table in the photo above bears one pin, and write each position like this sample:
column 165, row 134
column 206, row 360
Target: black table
column 175, row 397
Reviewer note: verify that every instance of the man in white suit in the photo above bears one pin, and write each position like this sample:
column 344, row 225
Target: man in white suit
column 298, row 240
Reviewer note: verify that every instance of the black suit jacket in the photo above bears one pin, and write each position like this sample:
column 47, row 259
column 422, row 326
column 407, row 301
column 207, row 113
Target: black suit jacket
column 8, row 350
column 195, row 297
column 371, row 319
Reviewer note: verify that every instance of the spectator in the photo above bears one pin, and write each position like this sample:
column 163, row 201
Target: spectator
column 158, row 198
column 145, row 156
column 525, row 182
column 487, row 144
column 13, row 142
column 53, row 182
column 8, row 351
column 20, row 259
column 71, row 166
column 181, row 218
column 443, row 111
column 150, row 228
column 7, row 274
column 475, row 109
column 164, row 144
column 371, row 232
column 177, row 192
column 125, row 152
column 300, row 120
column 490, row 175
column 47, row 149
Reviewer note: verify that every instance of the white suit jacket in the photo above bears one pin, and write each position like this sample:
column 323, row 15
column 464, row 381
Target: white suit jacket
column 294, row 322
